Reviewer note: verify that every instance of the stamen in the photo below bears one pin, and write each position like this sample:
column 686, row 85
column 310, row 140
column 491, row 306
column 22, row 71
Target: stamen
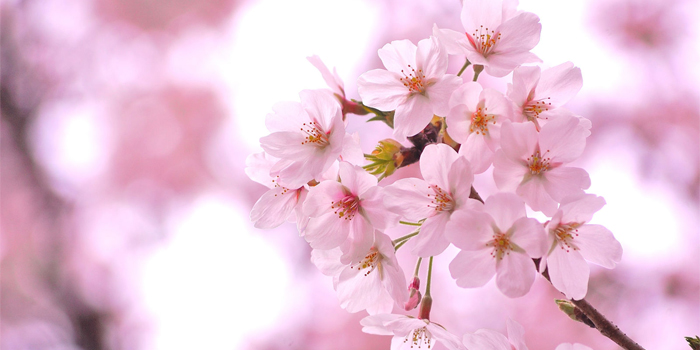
column 314, row 135
column 481, row 120
column 419, row 337
column 276, row 182
column 370, row 262
column 533, row 109
column 484, row 40
column 346, row 207
column 538, row 163
column 501, row 245
column 565, row 235
column 442, row 201
column 414, row 81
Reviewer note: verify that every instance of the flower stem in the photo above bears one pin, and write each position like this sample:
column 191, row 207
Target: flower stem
column 406, row 237
column 410, row 223
column 430, row 277
column 466, row 64
column 420, row 260
column 477, row 70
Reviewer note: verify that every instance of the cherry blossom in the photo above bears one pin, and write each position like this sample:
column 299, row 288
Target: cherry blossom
column 498, row 240
column 486, row 339
column 445, row 188
column 374, row 282
column 538, row 94
column 474, row 121
column 344, row 214
column 572, row 242
column 497, row 35
column 414, row 84
column 307, row 137
column 410, row 332
column 533, row 164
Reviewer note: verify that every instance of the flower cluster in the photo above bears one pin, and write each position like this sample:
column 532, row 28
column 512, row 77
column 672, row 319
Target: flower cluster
column 457, row 130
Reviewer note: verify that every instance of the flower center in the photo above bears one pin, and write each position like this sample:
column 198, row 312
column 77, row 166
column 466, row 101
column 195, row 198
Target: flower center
column 442, row 201
column 565, row 234
column 346, row 207
column 370, row 262
column 480, row 121
column 538, row 163
column 501, row 245
column 484, row 40
column 314, row 135
column 414, row 81
column 532, row 109
column 419, row 337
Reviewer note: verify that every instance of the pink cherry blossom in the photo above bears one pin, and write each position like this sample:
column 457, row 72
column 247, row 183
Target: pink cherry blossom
column 307, row 137
column 375, row 282
column 572, row 242
column 276, row 205
column 533, row 164
column 497, row 36
column 445, row 188
column 414, row 84
column 475, row 120
column 498, row 240
column 410, row 332
column 486, row 339
column 344, row 214
column 537, row 95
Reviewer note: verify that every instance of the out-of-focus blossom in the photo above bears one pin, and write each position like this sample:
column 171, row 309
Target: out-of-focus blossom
column 574, row 346
column 497, row 240
column 414, row 84
column 487, row 339
column 497, row 35
column 572, row 241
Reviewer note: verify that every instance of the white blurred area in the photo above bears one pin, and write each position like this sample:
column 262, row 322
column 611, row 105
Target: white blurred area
column 125, row 219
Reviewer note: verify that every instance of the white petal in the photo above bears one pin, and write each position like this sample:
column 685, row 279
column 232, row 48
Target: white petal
column 398, row 55
column 568, row 272
column 505, row 208
column 598, row 245
column 431, row 240
column 412, row 116
column 515, row 274
column 473, row 269
column 435, row 163
column 382, row 89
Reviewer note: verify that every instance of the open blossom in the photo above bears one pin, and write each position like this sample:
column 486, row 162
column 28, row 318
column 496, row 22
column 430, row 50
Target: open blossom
column 533, row 164
column 499, row 240
column 277, row 204
column 475, row 120
column 410, row 332
column 414, row 84
column 486, row 339
column 497, row 35
column 375, row 283
column 345, row 214
column 572, row 241
column 538, row 94
column 446, row 187
column 307, row 137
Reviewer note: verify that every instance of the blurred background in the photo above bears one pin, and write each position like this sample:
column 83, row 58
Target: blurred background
column 125, row 209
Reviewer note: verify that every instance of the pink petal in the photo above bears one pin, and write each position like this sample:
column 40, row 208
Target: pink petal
column 518, row 140
column 286, row 145
column 563, row 139
column 486, row 339
column 598, row 245
column 431, row 240
column 473, row 269
column 515, row 274
column 507, row 173
column 467, row 94
column 274, row 207
column 580, row 208
column 496, row 103
column 412, row 116
column 478, row 152
column 257, row 167
column 375, row 210
column 431, row 58
column 322, row 108
column 356, row 291
column 332, row 79
column 516, row 334
column 566, row 181
column 321, row 197
column 519, row 34
column 460, row 178
column 374, row 324
column 559, row 84
column 525, row 79
column 458, row 122
column 476, row 14
column 499, row 64
column 535, row 193
column 439, row 93
column 327, row 231
column 327, row 261
column 529, row 235
column 382, row 89
column 435, row 163
column 409, row 197
column 398, row 55
column 469, row 229
column 505, row 209
column 359, row 240
column 447, row 339
column 568, row 272
column 355, row 179
column 286, row 116
column 454, row 42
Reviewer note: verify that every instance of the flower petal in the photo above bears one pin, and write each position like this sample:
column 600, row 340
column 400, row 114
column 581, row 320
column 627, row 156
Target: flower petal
column 515, row 274
column 473, row 269
column 598, row 245
column 469, row 229
column 435, row 164
column 568, row 272
column 431, row 240
column 412, row 116
column 382, row 89
column 505, row 208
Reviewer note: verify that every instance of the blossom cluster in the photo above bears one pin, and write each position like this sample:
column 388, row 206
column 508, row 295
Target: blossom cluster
column 320, row 179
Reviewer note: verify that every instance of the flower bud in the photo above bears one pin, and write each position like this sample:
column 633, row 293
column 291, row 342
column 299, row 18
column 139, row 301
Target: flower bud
column 414, row 296
column 384, row 158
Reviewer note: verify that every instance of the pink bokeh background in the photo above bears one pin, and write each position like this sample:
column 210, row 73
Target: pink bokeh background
column 124, row 204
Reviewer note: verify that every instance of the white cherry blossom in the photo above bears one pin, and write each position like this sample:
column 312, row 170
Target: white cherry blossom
column 410, row 332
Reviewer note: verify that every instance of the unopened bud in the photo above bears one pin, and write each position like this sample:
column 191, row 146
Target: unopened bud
column 414, row 296
column 384, row 158
column 425, row 307
column 574, row 312
column 415, row 283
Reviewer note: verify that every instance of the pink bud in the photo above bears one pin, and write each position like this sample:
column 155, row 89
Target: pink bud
column 413, row 300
